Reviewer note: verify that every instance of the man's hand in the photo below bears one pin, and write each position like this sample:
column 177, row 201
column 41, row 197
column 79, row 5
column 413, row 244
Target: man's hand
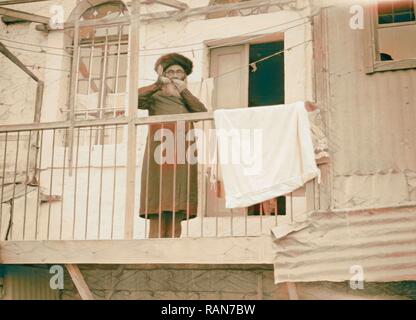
column 310, row 106
column 162, row 80
column 179, row 84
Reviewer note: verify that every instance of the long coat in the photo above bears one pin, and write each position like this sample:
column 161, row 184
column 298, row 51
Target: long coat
column 171, row 186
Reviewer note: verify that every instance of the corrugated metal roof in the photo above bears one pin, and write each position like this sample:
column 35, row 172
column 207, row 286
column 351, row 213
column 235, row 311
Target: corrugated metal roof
column 324, row 248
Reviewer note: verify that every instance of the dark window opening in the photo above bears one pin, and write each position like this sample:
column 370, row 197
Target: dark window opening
column 267, row 87
column 267, row 78
column 385, row 57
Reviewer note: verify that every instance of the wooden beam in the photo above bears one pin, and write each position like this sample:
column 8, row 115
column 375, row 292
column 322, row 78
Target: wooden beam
column 129, row 212
column 221, row 250
column 173, row 14
column 17, row 62
column 38, row 103
column 197, row 116
column 322, row 96
column 79, row 282
column 176, row 15
column 292, row 291
column 226, row 7
column 73, row 88
column 394, row 65
column 21, row 15
column 172, row 3
column 310, row 195
column 11, row 2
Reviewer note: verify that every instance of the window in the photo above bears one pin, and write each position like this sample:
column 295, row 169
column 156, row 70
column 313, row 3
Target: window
column 395, row 11
column 393, row 31
column 102, row 71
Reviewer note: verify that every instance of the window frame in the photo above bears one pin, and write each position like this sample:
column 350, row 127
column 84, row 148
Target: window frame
column 393, row 24
column 101, row 137
column 245, row 41
column 371, row 43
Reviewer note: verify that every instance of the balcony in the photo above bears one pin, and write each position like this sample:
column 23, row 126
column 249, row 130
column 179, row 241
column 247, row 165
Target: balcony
column 66, row 198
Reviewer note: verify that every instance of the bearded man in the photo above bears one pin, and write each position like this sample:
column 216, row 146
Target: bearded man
column 169, row 192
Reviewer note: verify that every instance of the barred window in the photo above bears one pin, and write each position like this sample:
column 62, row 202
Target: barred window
column 102, row 71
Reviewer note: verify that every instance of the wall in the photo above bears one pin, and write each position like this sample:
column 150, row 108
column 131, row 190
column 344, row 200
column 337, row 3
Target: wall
column 370, row 120
column 188, row 38
column 392, row 41
column 17, row 89
column 216, row 283
column 204, row 282
column 197, row 282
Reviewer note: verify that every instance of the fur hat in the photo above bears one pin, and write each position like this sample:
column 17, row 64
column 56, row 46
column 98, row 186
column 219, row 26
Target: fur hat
column 170, row 59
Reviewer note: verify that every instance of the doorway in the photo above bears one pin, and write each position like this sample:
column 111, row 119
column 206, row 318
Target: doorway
column 237, row 86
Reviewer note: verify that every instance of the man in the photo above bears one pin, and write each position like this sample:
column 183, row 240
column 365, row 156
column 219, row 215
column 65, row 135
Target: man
column 169, row 192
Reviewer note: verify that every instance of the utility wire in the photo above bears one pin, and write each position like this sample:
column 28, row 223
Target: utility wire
column 199, row 42
column 43, row 51
column 32, row 44
column 181, row 51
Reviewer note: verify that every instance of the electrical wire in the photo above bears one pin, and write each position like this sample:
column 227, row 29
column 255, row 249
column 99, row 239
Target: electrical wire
column 242, row 34
column 32, row 44
column 252, row 63
column 264, row 58
column 33, row 66
column 163, row 48
column 180, row 46
column 43, row 52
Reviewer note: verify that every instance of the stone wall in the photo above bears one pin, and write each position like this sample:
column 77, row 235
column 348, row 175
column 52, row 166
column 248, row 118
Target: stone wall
column 210, row 282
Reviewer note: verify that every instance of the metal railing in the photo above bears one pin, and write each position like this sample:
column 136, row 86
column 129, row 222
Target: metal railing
column 45, row 197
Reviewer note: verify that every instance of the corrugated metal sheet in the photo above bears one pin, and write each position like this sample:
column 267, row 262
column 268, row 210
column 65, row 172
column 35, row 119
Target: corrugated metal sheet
column 371, row 117
column 28, row 283
column 324, row 248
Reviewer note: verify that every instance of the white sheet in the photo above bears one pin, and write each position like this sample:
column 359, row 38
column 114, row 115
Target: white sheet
column 271, row 152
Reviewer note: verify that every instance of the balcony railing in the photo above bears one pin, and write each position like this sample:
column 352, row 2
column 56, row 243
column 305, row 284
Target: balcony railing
column 47, row 193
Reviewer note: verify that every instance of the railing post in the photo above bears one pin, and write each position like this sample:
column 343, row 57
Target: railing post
column 37, row 117
column 72, row 95
column 131, row 137
column 310, row 195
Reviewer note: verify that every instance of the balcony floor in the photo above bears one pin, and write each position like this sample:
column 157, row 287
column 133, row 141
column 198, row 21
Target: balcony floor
column 225, row 250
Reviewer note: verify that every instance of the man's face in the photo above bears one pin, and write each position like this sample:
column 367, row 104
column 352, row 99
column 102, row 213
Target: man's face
column 175, row 72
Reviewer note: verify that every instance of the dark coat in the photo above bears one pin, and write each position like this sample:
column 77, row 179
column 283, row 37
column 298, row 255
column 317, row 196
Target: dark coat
column 170, row 186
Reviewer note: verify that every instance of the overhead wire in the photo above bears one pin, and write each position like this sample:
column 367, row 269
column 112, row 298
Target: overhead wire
column 42, row 51
column 32, row 44
column 179, row 46
column 164, row 48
